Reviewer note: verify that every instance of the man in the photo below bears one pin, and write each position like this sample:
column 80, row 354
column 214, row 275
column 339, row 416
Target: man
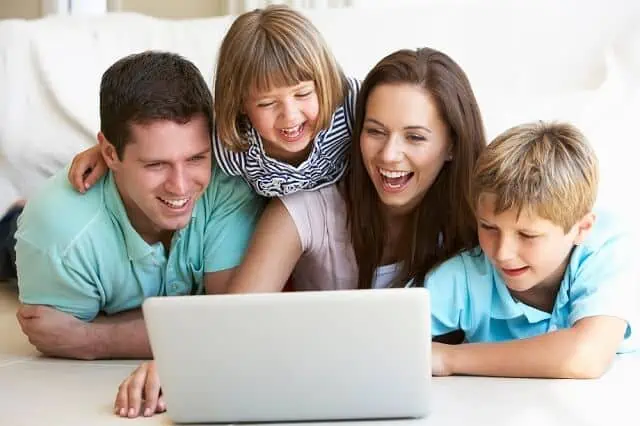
column 162, row 221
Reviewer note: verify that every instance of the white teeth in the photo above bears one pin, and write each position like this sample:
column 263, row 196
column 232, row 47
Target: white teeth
column 292, row 132
column 176, row 204
column 392, row 173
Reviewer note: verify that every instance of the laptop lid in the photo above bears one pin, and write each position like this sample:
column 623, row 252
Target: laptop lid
column 326, row 355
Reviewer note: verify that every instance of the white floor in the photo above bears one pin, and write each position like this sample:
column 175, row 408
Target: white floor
column 40, row 391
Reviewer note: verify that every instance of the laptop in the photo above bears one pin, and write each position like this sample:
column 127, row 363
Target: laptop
column 300, row 356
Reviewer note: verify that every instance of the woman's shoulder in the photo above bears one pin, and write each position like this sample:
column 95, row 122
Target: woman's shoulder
column 326, row 198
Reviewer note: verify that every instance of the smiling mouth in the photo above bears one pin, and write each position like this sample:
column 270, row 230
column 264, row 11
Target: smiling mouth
column 394, row 180
column 291, row 134
column 514, row 272
column 175, row 204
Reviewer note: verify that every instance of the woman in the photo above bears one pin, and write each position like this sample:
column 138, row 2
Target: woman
column 401, row 210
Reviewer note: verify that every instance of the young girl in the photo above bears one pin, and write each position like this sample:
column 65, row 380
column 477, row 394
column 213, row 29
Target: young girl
column 282, row 105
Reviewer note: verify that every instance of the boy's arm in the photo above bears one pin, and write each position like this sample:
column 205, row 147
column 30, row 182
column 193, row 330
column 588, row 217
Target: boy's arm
column 603, row 306
column 582, row 351
column 59, row 334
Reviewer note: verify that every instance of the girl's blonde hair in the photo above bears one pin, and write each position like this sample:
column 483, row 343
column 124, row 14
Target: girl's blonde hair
column 268, row 48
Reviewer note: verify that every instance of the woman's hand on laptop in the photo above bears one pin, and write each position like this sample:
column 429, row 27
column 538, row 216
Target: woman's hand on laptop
column 140, row 393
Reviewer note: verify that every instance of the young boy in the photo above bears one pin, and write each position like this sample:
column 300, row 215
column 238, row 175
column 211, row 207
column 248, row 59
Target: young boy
column 551, row 291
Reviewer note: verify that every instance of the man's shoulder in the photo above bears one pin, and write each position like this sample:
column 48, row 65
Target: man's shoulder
column 57, row 214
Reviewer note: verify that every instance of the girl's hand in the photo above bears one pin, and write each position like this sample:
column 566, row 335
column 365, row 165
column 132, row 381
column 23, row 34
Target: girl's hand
column 143, row 383
column 86, row 168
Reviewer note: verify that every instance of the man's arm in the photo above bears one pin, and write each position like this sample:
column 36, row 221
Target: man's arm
column 55, row 333
column 583, row 351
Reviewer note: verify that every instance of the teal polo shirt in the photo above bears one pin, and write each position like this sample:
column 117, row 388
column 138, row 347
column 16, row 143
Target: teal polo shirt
column 80, row 254
column 601, row 278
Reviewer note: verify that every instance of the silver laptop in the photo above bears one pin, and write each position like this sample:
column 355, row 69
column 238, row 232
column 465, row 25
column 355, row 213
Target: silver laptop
column 302, row 356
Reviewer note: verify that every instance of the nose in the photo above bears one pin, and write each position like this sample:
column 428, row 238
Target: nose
column 290, row 111
column 504, row 249
column 392, row 149
column 176, row 182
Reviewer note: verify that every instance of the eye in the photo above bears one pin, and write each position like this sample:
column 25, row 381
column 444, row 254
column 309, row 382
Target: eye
column 197, row 158
column 265, row 104
column 153, row 166
column 414, row 137
column 304, row 94
column 528, row 236
column 487, row 227
column 373, row 131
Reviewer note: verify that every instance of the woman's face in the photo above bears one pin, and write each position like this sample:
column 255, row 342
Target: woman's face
column 404, row 144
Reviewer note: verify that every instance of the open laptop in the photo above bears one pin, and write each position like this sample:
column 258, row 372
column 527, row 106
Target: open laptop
column 301, row 356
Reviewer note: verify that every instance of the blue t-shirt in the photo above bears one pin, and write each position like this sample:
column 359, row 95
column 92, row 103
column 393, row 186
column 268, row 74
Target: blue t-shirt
column 81, row 255
column 601, row 278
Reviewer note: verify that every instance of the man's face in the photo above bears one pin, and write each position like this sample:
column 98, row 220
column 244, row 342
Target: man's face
column 162, row 173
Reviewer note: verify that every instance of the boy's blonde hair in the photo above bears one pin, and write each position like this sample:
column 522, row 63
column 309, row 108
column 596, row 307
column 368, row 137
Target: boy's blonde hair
column 549, row 168
column 265, row 49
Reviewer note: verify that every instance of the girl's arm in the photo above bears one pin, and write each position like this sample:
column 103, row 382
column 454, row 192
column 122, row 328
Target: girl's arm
column 583, row 351
column 272, row 254
column 86, row 168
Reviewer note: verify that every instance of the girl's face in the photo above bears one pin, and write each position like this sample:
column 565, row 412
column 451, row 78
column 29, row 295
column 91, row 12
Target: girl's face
column 404, row 144
column 285, row 118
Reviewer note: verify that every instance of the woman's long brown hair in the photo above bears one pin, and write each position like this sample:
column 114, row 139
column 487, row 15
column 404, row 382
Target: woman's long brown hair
column 443, row 223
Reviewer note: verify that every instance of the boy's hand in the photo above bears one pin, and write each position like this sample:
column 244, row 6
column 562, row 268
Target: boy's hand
column 142, row 383
column 86, row 168
column 440, row 359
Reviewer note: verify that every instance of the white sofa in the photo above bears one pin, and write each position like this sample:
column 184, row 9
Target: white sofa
column 543, row 59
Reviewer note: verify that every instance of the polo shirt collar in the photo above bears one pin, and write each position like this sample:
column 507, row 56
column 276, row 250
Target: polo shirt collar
column 136, row 246
column 504, row 306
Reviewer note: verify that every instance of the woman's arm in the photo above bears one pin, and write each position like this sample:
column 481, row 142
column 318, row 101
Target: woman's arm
column 272, row 254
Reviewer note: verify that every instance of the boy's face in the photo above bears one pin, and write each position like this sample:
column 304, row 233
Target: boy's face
column 527, row 250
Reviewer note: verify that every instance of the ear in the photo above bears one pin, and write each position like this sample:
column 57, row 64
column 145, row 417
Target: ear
column 108, row 151
column 450, row 152
column 584, row 226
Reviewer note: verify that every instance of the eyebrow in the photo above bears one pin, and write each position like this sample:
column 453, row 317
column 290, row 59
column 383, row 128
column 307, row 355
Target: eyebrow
column 373, row 120
column 158, row 160
column 525, row 230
